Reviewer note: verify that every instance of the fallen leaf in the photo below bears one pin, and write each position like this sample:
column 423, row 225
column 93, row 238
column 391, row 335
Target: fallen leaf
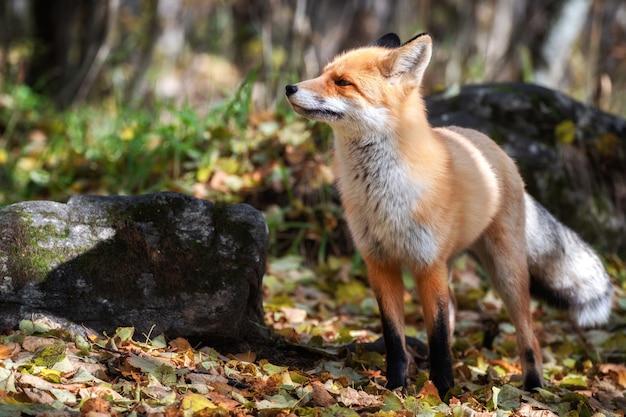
column 33, row 343
column 100, row 391
column 146, row 363
column 7, row 381
column 321, row 396
column 38, row 396
column 9, row 350
column 125, row 334
column 392, row 402
column 512, row 369
column 34, row 381
column 162, row 395
column 352, row 397
column 617, row 371
column 223, row 401
column 165, row 375
column 429, row 389
column 245, row 357
column 98, row 405
column 50, row 355
column 195, row 402
column 283, row 400
column 573, row 381
column 63, row 395
column 180, row 345
column 527, row 410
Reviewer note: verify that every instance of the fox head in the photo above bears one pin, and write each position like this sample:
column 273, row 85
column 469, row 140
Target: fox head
column 361, row 88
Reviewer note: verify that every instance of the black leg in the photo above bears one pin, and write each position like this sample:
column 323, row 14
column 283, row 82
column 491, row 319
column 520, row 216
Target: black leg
column 440, row 356
column 397, row 361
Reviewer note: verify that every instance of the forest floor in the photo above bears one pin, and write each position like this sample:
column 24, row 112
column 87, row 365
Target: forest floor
column 322, row 362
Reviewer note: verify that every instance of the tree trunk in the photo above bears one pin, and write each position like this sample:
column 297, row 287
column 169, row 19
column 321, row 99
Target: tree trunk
column 67, row 35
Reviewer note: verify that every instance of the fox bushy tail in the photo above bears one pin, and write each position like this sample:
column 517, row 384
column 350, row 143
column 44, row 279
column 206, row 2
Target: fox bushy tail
column 564, row 270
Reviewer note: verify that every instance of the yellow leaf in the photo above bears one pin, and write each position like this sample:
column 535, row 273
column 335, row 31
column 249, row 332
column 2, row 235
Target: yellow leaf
column 51, row 375
column 574, row 381
column 204, row 173
column 50, row 355
column 125, row 333
column 127, row 133
column 4, row 156
column 228, row 165
column 196, row 402
column 565, row 132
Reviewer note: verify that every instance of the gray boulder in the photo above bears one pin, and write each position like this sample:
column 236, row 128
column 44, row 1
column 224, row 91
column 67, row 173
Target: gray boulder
column 162, row 262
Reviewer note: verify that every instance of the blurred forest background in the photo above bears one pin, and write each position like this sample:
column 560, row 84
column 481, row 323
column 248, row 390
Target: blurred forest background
column 134, row 96
column 200, row 50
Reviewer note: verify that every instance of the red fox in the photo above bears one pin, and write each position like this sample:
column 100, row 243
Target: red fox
column 417, row 196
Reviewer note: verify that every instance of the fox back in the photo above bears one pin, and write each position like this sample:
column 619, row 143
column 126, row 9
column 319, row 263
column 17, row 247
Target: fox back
column 417, row 196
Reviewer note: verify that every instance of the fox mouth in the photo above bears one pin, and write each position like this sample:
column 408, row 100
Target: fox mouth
column 317, row 114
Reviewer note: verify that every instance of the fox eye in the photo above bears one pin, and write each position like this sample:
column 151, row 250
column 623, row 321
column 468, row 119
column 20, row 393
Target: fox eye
column 342, row 82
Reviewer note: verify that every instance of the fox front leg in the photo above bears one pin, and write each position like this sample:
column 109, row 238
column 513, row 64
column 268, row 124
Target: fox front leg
column 434, row 292
column 386, row 282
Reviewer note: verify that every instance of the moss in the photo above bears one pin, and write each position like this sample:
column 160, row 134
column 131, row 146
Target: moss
column 27, row 260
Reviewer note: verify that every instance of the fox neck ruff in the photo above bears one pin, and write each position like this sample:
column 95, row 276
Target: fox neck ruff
column 381, row 199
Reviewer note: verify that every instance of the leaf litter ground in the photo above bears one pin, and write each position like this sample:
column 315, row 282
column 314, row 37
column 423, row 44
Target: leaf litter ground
column 326, row 361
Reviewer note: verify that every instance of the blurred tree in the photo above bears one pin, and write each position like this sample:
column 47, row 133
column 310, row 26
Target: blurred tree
column 68, row 37
column 13, row 29
column 546, row 30
column 94, row 47
column 142, row 60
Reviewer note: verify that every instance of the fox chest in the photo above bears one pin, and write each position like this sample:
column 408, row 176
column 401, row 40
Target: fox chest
column 381, row 203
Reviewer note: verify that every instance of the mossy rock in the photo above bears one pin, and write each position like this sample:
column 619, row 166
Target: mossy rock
column 161, row 262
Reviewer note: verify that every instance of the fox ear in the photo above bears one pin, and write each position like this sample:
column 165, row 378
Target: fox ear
column 390, row 40
column 412, row 58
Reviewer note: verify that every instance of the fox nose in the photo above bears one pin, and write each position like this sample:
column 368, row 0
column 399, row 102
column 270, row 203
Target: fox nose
column 291, row 89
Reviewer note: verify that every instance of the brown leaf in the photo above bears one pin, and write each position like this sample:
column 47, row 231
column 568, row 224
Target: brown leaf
column 180, row 345
column 34, row 381
column 245, row 356
column 527, row 410
column 616, row 371
column 100, row 391
column 173, row 412
column 34, row 343
column 321, row 396
column 218, row 180
column 98, row 405
column 9, row 350
column 429, row 389
column 38, row 396
column 351, row 397
column 512, row 369
column 223, row 401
